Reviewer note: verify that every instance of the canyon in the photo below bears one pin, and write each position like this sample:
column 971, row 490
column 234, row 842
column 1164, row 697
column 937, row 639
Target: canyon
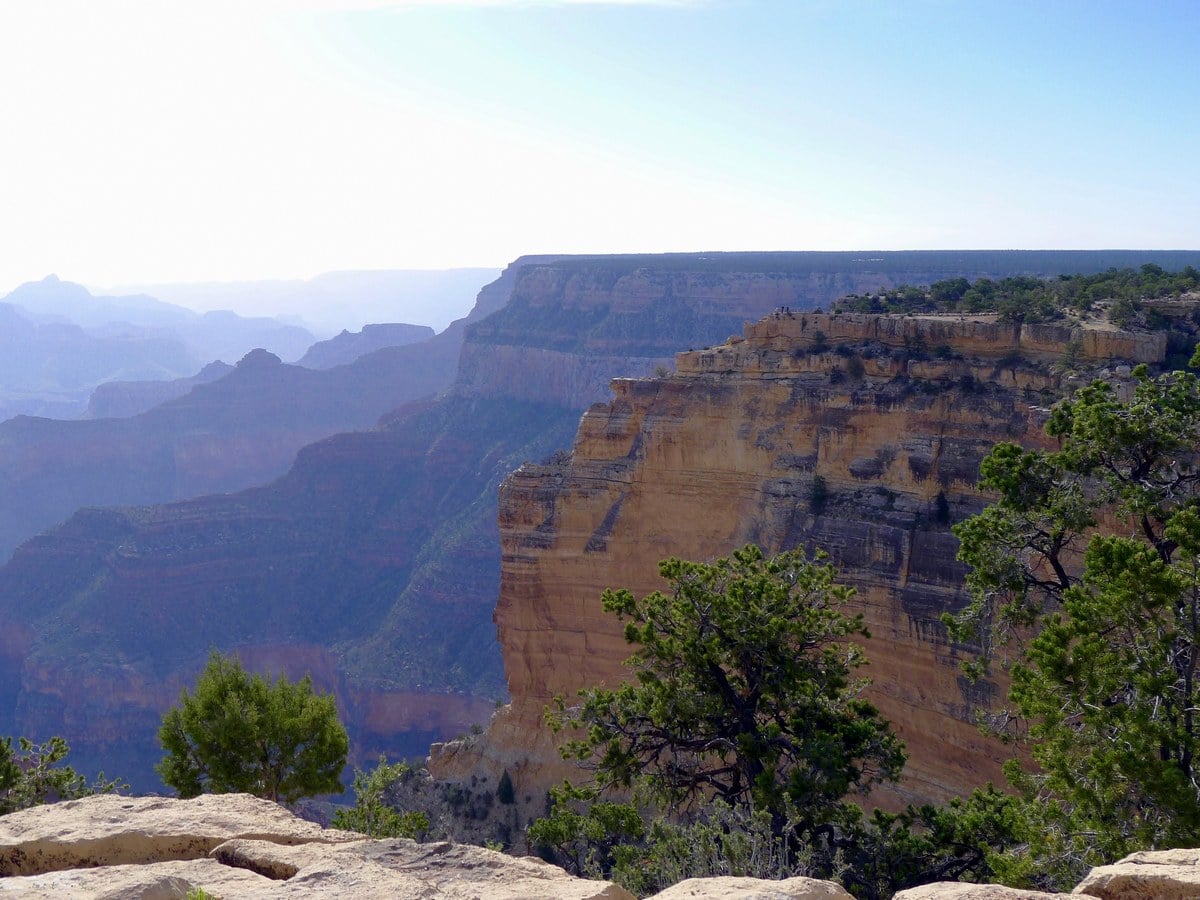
column 375, row 562
column 859, row 436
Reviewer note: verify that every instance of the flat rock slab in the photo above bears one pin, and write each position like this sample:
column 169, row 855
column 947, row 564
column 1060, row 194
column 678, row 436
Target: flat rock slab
column 156, row 881
column 237, row 846
column 728, row 888
column 957, row 890
column 109, row 830
column 1158, row 874
column 378, row 870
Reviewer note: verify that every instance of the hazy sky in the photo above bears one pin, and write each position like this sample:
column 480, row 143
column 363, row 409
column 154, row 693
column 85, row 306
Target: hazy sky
column 155, row 140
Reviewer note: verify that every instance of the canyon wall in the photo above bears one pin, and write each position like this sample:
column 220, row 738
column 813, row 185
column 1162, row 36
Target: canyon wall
column 573, row 323
column 857, row 435
column 375, row 562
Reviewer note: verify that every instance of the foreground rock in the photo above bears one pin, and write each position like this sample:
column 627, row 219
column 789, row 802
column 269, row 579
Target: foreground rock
column 234, row 845
column 947, row 890
column 1165, row 874
column 753, row 889
column 155, row 881
column 109, row 830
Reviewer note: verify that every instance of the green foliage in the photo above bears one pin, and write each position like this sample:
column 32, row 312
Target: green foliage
column 1106, row 683
column 961, row 841
column 743, row 690
column 727, row 840
column 873, row 858
column 238, row 732
column 371, row 815
column 200, row 894
column 1023, row 298
column 31, row 775
column 587, row 835
column 741, row 740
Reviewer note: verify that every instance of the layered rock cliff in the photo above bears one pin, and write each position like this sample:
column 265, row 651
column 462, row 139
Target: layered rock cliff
column 574, row 322
column 857, row 435
column 375, row 562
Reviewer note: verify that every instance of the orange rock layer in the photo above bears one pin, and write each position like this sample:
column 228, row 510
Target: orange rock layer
column 846, row 442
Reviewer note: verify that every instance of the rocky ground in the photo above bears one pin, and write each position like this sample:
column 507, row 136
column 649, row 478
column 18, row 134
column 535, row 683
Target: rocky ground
column 237, row 846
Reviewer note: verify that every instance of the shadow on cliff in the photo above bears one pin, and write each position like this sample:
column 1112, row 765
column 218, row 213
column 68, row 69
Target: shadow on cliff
column 375, row 561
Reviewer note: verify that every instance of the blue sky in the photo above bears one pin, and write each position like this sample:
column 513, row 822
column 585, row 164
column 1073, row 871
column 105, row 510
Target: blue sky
column 146, row 141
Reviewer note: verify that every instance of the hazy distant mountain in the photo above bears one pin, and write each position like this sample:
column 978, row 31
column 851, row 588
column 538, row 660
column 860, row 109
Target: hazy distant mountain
column 120, row 399
column 53, row 297
column 375, row 562
column 349, row 346
column 337, row 300
column 48, row 368
column 213, row 335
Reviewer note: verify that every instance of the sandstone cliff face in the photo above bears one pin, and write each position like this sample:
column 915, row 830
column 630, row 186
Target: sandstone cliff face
column 375, row 562
column 846, row 442
column 573, row 323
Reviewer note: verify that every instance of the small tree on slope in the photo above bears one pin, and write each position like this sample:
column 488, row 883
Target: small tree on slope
column 238, row 732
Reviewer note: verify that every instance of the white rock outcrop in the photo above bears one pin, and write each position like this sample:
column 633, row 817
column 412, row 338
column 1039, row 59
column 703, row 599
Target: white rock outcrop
column 954, row 890
column 726, row 888
column 109, row 830
column 1158, row 874
column 236, row 846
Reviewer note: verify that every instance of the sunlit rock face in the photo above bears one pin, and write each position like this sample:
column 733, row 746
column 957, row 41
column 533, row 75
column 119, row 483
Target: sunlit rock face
column 375, row 561
column 858, row 435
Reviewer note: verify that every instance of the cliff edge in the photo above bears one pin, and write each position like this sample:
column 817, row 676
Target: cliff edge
column 860, row 435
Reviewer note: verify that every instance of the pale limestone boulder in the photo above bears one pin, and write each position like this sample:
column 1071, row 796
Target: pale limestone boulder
column 381, row 870
column 728, row 888
column 1180, row 857
column 958, row 890
column 1158, row 874
column 108, row 830
column 152, row 848
column 155, row 881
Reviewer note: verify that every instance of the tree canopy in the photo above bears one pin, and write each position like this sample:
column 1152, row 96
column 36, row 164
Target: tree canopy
column 743, row 689
column 31, row 774
column 1090, row 557
column 1024, row 298
column 239, row 732
column 744, row 735
column 371, row 814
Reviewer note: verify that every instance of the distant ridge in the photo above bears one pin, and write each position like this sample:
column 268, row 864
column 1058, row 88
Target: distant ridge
column 375, row 562
column 334, row 301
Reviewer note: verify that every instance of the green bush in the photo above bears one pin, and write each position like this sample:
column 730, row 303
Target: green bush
column 371, row 815
column 238, row 732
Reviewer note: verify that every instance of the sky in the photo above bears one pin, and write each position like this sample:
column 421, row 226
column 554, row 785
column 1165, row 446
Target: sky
column 146, row 141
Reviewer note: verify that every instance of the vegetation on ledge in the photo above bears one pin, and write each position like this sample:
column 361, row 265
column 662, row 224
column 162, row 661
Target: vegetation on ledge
column 1024, row 298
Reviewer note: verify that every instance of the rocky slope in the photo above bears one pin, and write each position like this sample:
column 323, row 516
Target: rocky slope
column 346, row 347
column 375, row 563
column 859, row 435
column 122, row 399
column 235, row 845
column 240, row 430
